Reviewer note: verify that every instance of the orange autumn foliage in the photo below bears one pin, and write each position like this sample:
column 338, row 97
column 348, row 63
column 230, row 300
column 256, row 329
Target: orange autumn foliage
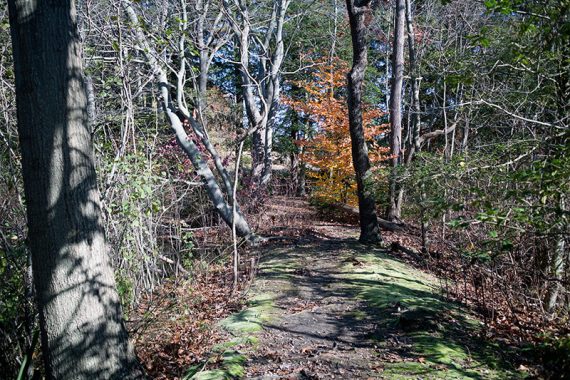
column 329, row 151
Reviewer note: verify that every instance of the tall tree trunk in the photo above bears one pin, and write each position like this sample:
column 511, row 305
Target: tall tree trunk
column 359, row 13
column 424, row 218
column 415, row 108
column 82, row 333
column 394, row 207
column 258, row 151
column 558, row 262
column 294, row 155
column 268, row 148
column 202, row 93
column 414, row 122
column 297, row 166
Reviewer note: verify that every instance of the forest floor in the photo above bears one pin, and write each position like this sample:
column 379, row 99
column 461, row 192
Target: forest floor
column 323, row 306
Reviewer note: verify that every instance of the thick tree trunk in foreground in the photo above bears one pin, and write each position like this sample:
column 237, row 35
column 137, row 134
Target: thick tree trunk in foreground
column 82, row 333
column 359, row 12
column 395, row 205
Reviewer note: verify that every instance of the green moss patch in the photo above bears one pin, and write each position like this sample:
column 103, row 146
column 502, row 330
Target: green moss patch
column 226, row 357
column 251, row 319
column 230, row 363
column 416, row 332
column 441, row 339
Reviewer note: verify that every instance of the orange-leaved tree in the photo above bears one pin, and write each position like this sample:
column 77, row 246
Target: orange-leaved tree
column 328, row 152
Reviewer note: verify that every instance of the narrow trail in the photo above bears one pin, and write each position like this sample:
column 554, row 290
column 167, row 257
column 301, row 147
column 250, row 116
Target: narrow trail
column 317, row 332
column 324, row 306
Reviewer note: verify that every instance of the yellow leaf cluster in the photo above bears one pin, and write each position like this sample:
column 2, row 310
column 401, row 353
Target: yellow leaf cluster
column 330, row 149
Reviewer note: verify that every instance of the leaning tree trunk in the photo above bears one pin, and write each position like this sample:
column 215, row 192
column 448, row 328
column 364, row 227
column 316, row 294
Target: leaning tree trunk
column 82, row 332
column 177, row 119
column 359, row 13
column 395, row 201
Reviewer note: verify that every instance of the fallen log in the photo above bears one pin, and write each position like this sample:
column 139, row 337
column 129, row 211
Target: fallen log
column 384, row 224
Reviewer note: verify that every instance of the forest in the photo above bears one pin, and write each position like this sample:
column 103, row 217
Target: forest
column 285, row 189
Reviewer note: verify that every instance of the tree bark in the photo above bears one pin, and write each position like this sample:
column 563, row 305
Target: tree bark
column 82, row 332
column 415, row 79
column 394, row 207
column 258, row 151
column 359, row 13
column 558, row 263
column 268, row 148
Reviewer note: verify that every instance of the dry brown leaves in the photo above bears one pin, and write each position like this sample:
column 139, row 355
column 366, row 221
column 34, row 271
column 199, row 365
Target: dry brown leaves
column 175, row 327
column 505, row 321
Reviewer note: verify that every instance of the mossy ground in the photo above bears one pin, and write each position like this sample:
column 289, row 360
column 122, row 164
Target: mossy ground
column 241, row 328
column 332, row 307
column 444, row 343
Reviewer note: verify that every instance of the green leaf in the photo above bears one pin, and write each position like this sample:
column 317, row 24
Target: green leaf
column 490, row 4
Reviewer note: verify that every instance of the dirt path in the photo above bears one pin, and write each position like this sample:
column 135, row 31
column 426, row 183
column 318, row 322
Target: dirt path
column 317, row 332
column 325, row 307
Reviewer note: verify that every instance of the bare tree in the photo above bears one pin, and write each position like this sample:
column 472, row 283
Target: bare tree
column 179, row 117
column 415, row 81
column 209, row 33
column 262, row 86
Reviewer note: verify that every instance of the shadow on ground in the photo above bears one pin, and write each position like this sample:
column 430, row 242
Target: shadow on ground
column 331, row 308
